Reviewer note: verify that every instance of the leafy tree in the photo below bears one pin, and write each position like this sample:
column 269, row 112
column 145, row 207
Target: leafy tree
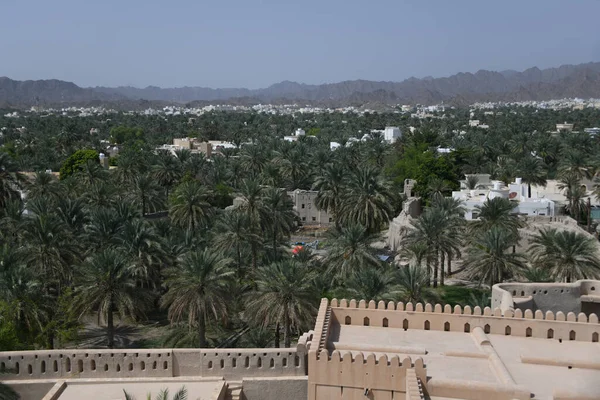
column 420, row 163
column 124, row 134
column 77, row 161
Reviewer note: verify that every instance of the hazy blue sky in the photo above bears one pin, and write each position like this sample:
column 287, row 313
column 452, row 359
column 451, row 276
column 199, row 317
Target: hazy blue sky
column 255, row 43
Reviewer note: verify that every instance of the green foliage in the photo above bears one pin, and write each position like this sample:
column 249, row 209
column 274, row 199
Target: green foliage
column 419, row 162
column 9, row 340
column 76, row 162
column 464, row 296
column 126, row 134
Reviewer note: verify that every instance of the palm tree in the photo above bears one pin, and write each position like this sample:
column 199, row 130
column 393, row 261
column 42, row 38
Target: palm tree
column 472, row 182
column 198, row 288
column 253, row 208
column 576, row 162
column 235, row 235
column 415, row 252
column 181, row 394
column 195, row 165
column 292, row 164
column 437, row 186
column 280, row 216
column 189, row 205
column 253, row 159
column 482, row 300
column 10, row 180
column 371, row 284
column 146, row 193
column 92, row 172
column 166, row 171
column 537, row 274
column 413, row 285
column 368, row 200
column 101, row 194
column 496, row 212
column 44, row 185
column 330, row 186
column 141, row 243
column 107, row 285
column 453, row 211
column 350, row 250
column 284, row 295
column 50, row 251
column 72, row 214
column 28, row 305
column 575, row 193
column 103, row 228
column 488, row 258
column 532, row 171
column 568, row 255
column 438, row 230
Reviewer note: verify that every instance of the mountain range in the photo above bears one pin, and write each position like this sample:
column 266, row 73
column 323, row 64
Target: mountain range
column 581, row 80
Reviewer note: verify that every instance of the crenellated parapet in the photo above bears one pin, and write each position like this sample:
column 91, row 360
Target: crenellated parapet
column 578, row 327
column 156, row 363
column 350, row 369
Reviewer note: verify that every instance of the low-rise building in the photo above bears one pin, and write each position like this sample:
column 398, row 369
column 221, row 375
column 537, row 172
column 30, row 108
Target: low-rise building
column 308, row 213
column 518, row 191
column 578, row 297
column 192, row 144
column 391, row 134
column 564, row 127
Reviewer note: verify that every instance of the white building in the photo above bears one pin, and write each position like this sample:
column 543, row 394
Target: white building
column 391, row 134
column 592, row 131
column 517, row 191
column 564, row 127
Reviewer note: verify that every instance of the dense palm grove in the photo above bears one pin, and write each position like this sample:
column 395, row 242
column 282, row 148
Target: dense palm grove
column 157, row 238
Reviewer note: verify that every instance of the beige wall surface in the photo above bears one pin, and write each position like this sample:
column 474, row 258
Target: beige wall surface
column 31, row 390
column 94, row 363
column 454, row 352
column 292, row 388
column 580, row 296
column 139, row 390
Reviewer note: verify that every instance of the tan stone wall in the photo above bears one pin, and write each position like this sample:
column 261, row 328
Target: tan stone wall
column 565, row 297
column 355, row 373
column 228, row 363
column 282, row 388
column 429, row 317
